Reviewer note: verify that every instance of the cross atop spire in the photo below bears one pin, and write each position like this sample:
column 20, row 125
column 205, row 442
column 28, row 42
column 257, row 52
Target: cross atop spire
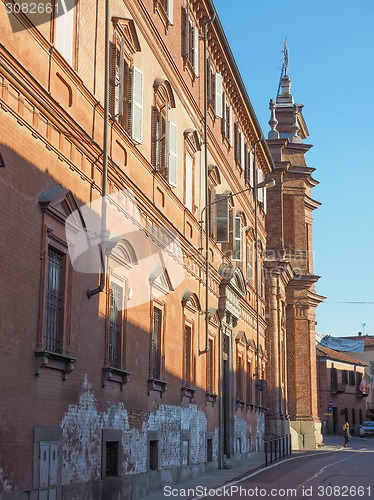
column 285, row 59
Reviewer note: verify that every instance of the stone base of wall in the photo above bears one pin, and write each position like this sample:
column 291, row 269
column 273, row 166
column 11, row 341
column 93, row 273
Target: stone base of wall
column 306, row 435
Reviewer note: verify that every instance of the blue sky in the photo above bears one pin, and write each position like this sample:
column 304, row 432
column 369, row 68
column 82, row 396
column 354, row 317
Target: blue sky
column 331, row 46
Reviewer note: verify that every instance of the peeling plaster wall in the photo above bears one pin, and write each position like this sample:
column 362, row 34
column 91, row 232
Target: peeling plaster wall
column 5, row 485
column 82, row 437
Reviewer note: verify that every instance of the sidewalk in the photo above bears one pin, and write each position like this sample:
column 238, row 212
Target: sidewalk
column 213, row 479
column 217, row 478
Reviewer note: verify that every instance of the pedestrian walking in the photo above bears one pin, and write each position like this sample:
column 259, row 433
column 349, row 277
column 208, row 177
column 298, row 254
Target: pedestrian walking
column 346, row 434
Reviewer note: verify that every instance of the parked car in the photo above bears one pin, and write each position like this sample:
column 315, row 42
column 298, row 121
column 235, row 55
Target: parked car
column 367, row 429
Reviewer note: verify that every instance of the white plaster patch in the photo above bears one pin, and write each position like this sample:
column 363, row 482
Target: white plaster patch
column 82, row 436
column 5, row 485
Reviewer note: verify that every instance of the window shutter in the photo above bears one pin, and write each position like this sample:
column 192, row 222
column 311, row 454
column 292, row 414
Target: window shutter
column 189, row 182
column 237, row 247
column 65, row 34
column 186, row 44
column 242, row 151
column 120, row 82
column 218, row 101
column 246, row 162
column 112, row 78
column 224, row 115
column 196, row 50
column 260, row 195
column 172, row 153
column 249, row 264
column 251, row 171
column 222, row 218
column 236, row 142
column 230, row 126
column 137, row 105
column 169, row 8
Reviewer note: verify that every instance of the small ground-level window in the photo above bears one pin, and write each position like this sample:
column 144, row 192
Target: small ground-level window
column 153, row 455
column 111, row 467
column 209, row 450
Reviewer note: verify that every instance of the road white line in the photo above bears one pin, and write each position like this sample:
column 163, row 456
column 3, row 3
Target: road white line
column 263, row 469
column 321, row 470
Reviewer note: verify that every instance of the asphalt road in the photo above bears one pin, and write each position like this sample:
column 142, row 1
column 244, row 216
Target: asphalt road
column 332, row 473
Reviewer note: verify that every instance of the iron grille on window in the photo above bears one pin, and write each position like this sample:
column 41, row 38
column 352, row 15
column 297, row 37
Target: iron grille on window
column 111, row 466
column 114, row 324
column 53, row 305
column 156, row 340
column 210, row 385
column 187, row 355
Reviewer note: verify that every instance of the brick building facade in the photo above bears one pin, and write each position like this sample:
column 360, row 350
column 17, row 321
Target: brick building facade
column 339, row 377
column 291, row 298
column 114, row 395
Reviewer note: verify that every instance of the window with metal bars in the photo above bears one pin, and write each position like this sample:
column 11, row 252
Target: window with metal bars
column 239, row 378
column 210, row 368
column 115, row 325
column 156, row 343
column 249, row 382
column 54, row 301
column 187, row 355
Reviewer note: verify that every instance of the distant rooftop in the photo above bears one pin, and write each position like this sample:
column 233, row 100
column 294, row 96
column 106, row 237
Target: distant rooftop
column 326, row 352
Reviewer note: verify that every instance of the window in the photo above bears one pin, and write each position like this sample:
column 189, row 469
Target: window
column 189, row 183
column 240, row 147
column 111, row 453
column 222, row 218
column 345, row 377
column 227, row 121
column 54, row 301
column 334, row 377
column 166, row 145
column 53, row 338
column 111, row 465
column 153, row 455
column 65, row 30
column 192, row 146
column 190, row 39
column 209, row 450
column 115, row 325
column 210, row 368
column 165, row 10
column 164, row 133
column 126, row 81
column 237, row 238
column 156, row 343
column 249, row 382
column 218, row 95
column 352, row 378
column 187, row 355
column 249, row 263
column 239, row 376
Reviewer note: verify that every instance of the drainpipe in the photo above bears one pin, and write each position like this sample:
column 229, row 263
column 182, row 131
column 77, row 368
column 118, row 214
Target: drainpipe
column 257, row 276
column 103, row 241
column 207, row 221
